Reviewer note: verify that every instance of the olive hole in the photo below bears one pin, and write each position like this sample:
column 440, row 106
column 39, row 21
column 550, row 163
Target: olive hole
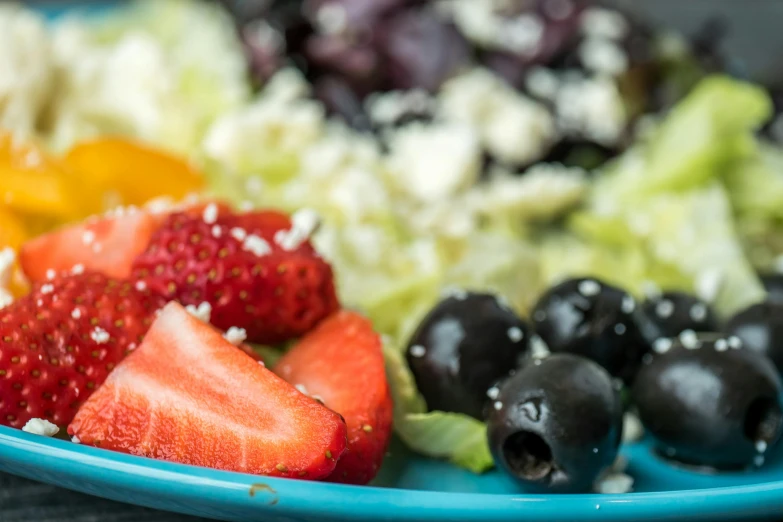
column 763, row 420
column 527, row 455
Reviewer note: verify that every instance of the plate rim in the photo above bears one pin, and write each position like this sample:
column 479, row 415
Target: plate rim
column 288, row 497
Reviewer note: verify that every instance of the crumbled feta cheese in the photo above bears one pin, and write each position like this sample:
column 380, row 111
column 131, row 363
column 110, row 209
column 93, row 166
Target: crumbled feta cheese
column 331, row 18
column 589, row 288
column 628, row 304
column 202, row 312
column 210, row 214
column 434, row 162
column 591, row 108
column 304, row 223
column 485, row 23
column 600, row 22
column 698, row 312
column 614, row 483
column 26, row 68
column 257, row 245
column 389, row 107
column 76, row 314
column 240, row 234
column 664, row 308
column 542, row 82
column 418, row 350
column 603, row 57
column 538, row 347
column 77, row 269
column 47, row 289
column 88, row 237
column 99, row 335
column 721, row 345
column 632, row 428
column 662, row 345
column 515, row 334
column 75, row 440
column 236, row 336
column 690, row 340
column 513, row 127
column 735, row 342
column 41, row 427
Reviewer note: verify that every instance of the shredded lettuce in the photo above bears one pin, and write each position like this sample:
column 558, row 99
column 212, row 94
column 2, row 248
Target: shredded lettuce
column 459, row 438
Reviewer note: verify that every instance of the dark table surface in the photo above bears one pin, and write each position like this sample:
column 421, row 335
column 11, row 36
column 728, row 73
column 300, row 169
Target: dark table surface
column 22, row 500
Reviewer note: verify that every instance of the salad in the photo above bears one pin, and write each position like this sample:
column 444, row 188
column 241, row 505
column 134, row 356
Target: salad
column 513, row 233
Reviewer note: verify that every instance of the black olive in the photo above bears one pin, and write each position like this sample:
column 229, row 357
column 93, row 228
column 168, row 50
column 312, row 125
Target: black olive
column 593, row 319
column 464, row 345
column 760, row 327
column 708, row 401
column 773, row 284
column 675, row 312
column 556, row 424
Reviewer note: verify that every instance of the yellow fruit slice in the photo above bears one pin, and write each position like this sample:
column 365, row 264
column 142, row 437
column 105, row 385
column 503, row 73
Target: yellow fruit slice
column 34, row 183
column 130, row 172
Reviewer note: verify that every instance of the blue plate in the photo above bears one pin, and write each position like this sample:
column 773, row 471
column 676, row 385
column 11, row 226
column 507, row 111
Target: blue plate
column 409, row 488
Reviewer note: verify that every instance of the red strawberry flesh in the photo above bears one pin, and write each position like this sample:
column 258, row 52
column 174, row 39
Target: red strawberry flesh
column 341, row 362
column 188, row 395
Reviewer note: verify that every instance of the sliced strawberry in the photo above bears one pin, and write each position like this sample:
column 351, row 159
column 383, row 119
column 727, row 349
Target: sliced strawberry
column 274, row 292
column 341, row 363
column 187, row 395
column 107, row 245
column 58, row 344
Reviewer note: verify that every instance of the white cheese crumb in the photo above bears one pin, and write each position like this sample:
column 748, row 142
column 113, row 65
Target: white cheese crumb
column 236, row 336
column 76, row 314
column 515, row 334
column 721, row 345
column 662, row 345
column 418, row 350
column 497, row 405
column 604, row 23
column 434, row 161
column 217, row 231
column 51, row 274
column 304, row 223
column 257, row 245
column 589, row 288
column 542, row 82
column 591, row 108
column 141, row 286
column 47, row 289
column 41, row 427
column 603, row 57
column 88, row 237
column 735, row 342
column 632, row 428
column 761, row 446
column 99, row 335
column 690, row 340
column 664, row 308
column 698, row 312
column 77, row 269
column 238, row 233
column 758, row 461
column 538, row 348
column 210, row 214
column 75, row 440
column 615, row 483
column 203, row 312
column 493, row 393
column 628, row 304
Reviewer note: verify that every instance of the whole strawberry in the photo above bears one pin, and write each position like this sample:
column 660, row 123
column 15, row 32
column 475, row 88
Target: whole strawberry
column 59, row 343
column 257, row 271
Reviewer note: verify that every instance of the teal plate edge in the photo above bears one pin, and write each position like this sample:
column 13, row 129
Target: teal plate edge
column 239, row 497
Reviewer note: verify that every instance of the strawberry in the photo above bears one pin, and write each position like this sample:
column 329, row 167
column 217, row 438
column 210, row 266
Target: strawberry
column 274, row 292
column 102, row 244
column 60, row 342
column 341, row 363
column 107, row 244
column 187, row 395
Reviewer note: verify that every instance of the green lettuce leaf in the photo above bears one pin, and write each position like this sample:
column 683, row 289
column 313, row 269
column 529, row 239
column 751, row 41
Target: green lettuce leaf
column 712, row 125
column 459, row 438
